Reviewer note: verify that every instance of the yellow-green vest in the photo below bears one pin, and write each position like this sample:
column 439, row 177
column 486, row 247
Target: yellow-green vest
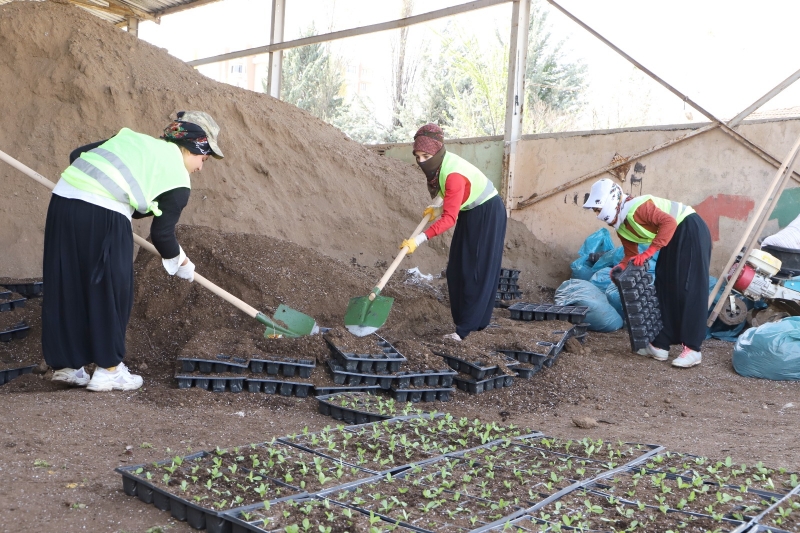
column 676, row 210
column 132, row 168
column 481, row 189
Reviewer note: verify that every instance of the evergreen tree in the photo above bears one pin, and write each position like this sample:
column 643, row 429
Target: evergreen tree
column 312, row 80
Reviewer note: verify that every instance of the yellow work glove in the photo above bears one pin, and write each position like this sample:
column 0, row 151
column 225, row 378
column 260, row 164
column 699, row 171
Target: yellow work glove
column 435, row 211
column 412, row 244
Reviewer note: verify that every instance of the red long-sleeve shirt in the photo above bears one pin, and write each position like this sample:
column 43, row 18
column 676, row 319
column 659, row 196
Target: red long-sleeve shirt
column 653, row 220
column 456, row 192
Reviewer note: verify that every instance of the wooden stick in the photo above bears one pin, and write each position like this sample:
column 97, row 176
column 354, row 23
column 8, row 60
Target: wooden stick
column 761, row 216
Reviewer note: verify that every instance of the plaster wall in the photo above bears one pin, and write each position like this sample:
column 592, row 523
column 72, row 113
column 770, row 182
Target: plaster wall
column 722, row 179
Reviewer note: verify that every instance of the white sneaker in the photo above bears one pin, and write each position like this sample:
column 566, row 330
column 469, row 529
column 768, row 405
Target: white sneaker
column 120, row 379
column 453, row 336
column 656, row 353
column 687, row 358
column 70, row 376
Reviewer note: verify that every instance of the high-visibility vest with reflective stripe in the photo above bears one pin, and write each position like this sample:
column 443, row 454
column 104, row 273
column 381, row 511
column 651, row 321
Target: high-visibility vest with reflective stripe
column 676, row 210
column 481, row 189
column 132, row 168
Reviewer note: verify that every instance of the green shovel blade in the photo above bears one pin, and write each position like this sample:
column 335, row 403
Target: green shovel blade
column 364, row 317
column 293, row 323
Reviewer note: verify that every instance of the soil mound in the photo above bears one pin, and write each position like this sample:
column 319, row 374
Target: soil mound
column 68, row 78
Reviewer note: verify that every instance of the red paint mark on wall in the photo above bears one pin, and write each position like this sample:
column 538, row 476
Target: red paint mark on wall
column 723, row 205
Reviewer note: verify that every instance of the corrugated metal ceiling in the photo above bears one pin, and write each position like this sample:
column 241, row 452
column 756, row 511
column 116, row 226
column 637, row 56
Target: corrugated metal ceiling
column 118, row 11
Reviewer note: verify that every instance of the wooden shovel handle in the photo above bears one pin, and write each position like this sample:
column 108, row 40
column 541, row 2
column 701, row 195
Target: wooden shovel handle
column 403, row 251
column 228, row 297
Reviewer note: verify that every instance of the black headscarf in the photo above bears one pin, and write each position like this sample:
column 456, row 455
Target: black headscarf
column 189, row 135
column 431, row 168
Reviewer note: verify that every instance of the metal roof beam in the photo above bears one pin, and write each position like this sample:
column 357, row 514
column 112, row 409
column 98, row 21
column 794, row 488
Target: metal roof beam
column 363, row 30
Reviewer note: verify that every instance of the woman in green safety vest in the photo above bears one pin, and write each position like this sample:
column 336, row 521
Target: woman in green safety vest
column 684, row 244
column 88, row 243
column 472, row 204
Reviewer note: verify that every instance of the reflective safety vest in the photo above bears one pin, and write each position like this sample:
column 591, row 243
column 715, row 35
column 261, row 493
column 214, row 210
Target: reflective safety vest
column 676, row 210
column 481, row 189
column 132, row 168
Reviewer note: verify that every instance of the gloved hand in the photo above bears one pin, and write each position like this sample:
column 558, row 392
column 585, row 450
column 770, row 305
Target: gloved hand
column 172, row 265
column 641, row 259
column 435, row 211
column 616, row 271
column 186, row 271
column 413, row 243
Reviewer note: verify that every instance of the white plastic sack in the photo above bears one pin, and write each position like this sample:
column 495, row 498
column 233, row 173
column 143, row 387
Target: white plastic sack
column 788, row 237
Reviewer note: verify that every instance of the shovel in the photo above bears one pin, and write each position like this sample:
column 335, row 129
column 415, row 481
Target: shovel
column 295, row 323
column 365, row 314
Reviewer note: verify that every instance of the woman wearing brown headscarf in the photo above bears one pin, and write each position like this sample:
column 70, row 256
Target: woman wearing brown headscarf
column 472, row 204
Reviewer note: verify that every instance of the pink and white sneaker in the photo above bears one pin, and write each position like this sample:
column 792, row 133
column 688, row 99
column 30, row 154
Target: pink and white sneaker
column 687, row 358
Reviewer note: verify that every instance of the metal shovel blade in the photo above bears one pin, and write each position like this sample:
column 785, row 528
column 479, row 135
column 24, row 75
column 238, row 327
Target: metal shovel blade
column 288, row 322
column 365, row 316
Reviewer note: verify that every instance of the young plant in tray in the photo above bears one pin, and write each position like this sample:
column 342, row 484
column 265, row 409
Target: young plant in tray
column 312, row 515
column 379, row 405
column 612, row 453
column 785, row 516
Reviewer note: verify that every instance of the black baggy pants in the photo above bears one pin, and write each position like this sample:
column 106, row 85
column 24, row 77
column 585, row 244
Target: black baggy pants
column 682, row 285
column 88, row 279
column 473, row 269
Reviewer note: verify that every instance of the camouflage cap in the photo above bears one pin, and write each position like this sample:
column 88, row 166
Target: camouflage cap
column 209, row 126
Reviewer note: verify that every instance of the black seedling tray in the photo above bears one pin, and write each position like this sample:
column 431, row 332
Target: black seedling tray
column 347, row 414
column 433, row 378
column 508, row 295
column 509, row 273
column 289, row 369
column 211, row 383
column 575, row 314
column 28, row 290
column 534, row 358
column 507, row 287
column 422, row 395
column 321, row 391
column 473, row 386
column 7, row 304
column 17, row 331
column 524, row 373
column 275, row 386
column 640, row 305
column 386, row 358
column 233, row 365
column 476, row 371
column 13, row 373
column 184, row 510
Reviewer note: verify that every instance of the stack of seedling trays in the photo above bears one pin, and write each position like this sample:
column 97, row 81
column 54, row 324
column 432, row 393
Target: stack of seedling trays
column 508, row 285
column 574, row 314
column 640, row 304
column 478, row 376
column 270, row 375
column 381, row 368
column 12, row 327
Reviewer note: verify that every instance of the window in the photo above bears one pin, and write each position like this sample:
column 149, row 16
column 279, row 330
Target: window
column 238, row 69
column 362, row 87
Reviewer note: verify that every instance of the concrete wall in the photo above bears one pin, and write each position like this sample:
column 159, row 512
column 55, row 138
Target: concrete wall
column 486, row 153
column 712, row 172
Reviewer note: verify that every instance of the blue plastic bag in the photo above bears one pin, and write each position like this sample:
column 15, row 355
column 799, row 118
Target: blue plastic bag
column 771, row 351
column 598, row 242
column 610, row 259
column 613, row 297
column 601, row 315
column 601, row 279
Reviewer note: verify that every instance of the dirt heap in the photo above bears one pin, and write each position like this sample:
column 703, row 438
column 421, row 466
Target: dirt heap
column 69, row 78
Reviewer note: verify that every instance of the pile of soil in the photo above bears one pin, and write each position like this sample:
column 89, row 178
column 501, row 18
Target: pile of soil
column 418, row 356
column 349, row 343
column 76, row 79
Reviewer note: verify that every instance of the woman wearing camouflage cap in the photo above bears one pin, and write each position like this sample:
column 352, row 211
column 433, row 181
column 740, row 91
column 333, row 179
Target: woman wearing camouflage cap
column 472, row 204
column 88, row 243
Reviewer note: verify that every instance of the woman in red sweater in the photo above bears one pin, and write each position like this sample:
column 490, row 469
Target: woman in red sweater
column 472, row 204
column 684, row 242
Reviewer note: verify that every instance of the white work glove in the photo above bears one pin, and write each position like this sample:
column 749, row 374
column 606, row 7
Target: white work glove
column 186, row 271
column 175, row 266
